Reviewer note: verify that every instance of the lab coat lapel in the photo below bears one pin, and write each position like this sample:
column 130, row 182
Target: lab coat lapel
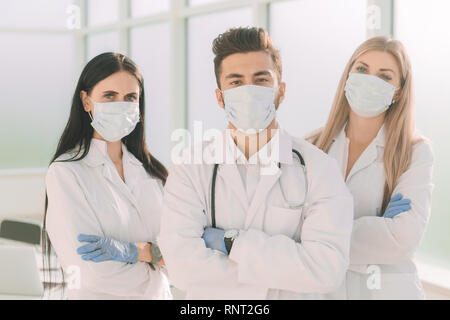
column 339, row 150
column 366, row 159
column 231, row 177
column 369, row 155
column 115, row 179
column 280, row 148
column 266, row 182
column 98, row 156
column 228, row 171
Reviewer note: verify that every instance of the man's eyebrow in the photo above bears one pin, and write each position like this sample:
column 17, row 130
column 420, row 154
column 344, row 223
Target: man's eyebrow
column 262, row 73
column 234, row 75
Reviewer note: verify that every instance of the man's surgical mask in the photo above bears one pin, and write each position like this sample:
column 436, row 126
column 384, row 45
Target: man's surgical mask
column 250, row 107
column 368, row 95
column 115, row 120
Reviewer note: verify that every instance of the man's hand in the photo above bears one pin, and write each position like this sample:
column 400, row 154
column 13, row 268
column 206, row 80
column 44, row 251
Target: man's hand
column 214, row 239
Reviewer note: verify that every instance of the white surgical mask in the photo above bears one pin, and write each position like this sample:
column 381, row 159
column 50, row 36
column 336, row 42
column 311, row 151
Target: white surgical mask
column 115, row 120
column 250, row 107
column 368, row 95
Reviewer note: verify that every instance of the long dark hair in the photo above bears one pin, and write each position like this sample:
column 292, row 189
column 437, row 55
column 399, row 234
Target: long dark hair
column 78, row 132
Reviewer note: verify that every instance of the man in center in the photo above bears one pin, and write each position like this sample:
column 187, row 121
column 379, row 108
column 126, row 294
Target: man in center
column 272, row 217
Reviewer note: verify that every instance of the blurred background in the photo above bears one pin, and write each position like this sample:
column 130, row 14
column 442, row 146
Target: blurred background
column 45, row 44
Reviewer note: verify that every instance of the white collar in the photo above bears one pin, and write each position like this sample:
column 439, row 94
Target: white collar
column 98, row 154
column 277, row 150
column 378, row 141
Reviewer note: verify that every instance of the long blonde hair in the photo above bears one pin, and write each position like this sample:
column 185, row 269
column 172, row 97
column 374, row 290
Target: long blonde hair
column 399, row 120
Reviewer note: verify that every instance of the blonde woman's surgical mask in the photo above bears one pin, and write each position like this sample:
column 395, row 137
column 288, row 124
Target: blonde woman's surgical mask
column 368, row 95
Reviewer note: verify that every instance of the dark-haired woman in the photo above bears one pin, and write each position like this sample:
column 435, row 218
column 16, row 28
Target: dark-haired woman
column 105, row 189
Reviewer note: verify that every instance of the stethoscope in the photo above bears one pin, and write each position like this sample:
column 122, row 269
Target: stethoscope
column 291, row 204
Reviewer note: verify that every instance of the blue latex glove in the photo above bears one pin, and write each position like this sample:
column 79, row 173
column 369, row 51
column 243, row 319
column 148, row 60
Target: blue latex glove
column 214, row 239
column 396, row 206
column 101, row 249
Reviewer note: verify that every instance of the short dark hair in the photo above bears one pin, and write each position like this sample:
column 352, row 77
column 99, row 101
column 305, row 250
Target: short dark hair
column 243, row 40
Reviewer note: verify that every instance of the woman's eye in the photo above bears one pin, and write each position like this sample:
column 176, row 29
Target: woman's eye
column 262, row 80
column 108, row 96
column 131, row 98
column 361, row 69
column 385, row 77
column 235, row 83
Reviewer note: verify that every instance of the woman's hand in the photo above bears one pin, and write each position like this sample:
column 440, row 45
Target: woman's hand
column 101, row 249
column 396, row 206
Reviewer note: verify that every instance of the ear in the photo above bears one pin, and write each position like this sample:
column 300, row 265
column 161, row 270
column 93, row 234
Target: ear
column 219, row 98
column 85, row 101
column 282, row 92
column 397, row 94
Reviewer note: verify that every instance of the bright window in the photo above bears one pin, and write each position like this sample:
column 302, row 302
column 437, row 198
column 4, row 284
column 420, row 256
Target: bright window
column 48, row 14
column 102, row 42
column 202, row 30
column 313, row 61
column 37, row 83
column 150, row 50
column 424, row 27
column 101, row 12
column 141, row 8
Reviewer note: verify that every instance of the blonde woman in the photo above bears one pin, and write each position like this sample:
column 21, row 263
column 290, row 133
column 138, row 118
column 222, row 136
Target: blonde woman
column 386, row 165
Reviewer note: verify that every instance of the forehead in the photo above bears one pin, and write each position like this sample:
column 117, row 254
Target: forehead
column 122, row 82
column 377, row 59
column 247, row 63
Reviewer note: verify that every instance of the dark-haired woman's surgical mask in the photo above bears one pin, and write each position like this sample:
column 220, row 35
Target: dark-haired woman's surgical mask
column 250, row 107
column 368, row 95
column 115, row 120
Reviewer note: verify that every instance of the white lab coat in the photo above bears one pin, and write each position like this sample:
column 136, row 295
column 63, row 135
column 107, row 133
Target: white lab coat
column 281, row 253
column 388, row 244
column 88, row 196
